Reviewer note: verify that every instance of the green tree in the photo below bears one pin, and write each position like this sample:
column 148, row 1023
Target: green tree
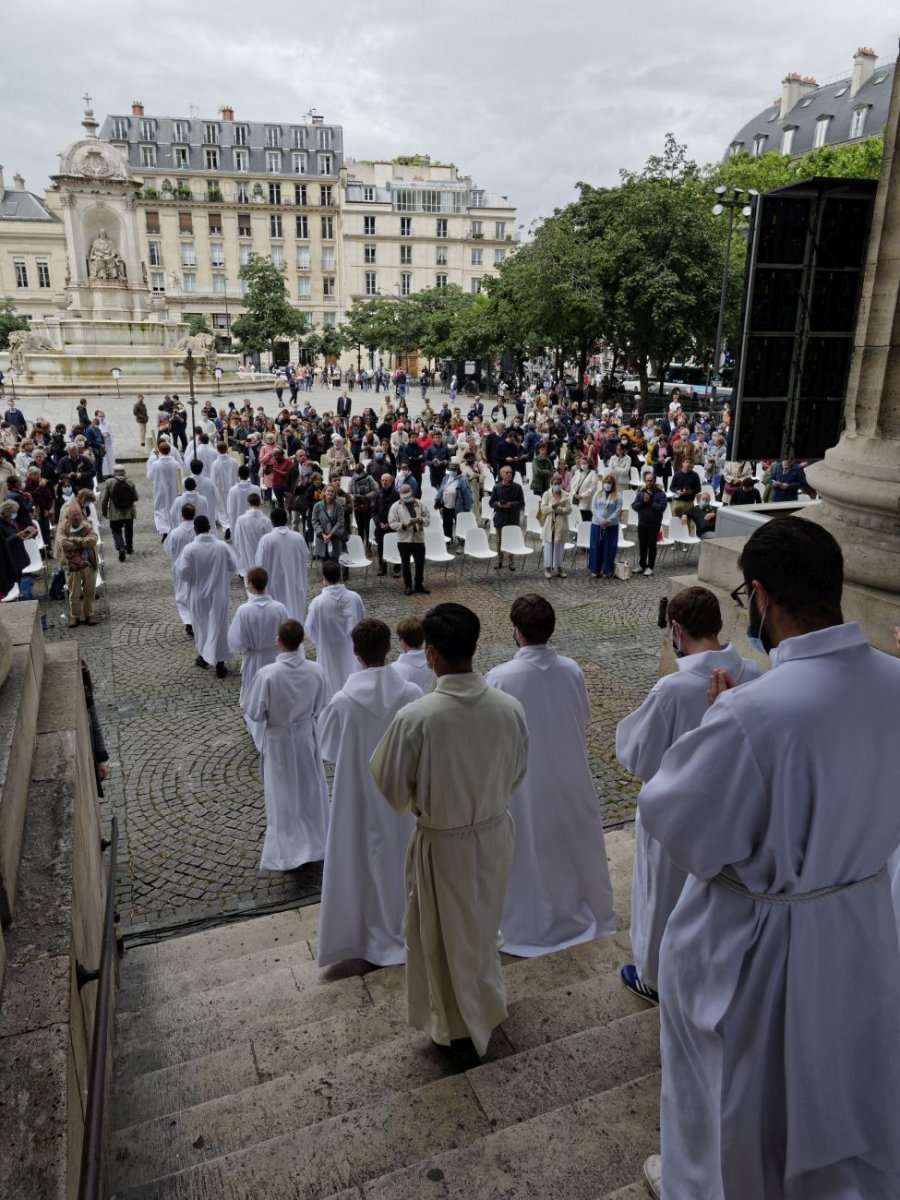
column 269, row 315
column 368, row 323
column 10, row 321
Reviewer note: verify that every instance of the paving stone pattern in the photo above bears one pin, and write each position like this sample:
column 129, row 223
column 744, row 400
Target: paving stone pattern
column 184, row 774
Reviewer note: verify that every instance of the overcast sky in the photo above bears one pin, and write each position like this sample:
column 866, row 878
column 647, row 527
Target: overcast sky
column 525, row 97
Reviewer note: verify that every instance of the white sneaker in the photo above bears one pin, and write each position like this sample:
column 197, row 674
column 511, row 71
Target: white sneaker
column 548, row 574
column 648, row 572
column 653, row 1176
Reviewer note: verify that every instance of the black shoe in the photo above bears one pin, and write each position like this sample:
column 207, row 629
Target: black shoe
column 189, row 630
column 461, row 1053
column 397, row 572
column 201, row 662
column 408, row 591
column 121, row 556
column 382, row 571
column 162, row 540
column 424, row 590
column 129, row 549
column 227, row 535
column 221, row 670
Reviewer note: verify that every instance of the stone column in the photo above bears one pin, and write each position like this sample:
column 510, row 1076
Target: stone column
column 858, row 481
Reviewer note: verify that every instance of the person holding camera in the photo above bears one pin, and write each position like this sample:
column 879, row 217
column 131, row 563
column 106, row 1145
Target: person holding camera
column 408, row 518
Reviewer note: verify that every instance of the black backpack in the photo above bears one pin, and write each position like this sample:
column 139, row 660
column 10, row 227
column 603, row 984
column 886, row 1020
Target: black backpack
column 121, row 494
column 58, row 584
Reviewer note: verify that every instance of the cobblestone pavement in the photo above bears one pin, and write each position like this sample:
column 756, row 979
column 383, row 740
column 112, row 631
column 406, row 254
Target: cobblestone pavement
column 184, row 775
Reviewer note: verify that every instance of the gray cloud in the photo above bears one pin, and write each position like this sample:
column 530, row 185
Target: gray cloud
column 525, row 97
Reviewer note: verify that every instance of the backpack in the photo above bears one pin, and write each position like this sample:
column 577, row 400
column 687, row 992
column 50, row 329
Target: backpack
column 121, row 494
column 57, row 589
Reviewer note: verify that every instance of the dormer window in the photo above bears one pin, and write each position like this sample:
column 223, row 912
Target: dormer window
column 821, row 133
column 858, row 120
column 787, row 138
column 211, row 133
column 759, row 144
column 120, row 129
column 148, row 130
column 273, row 135
column 182, row 131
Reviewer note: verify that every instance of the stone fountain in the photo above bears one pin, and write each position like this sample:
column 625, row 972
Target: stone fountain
column 107, row 321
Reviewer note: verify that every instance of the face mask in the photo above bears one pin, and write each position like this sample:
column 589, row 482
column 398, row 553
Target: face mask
column 607, row 489
column 75, row 528
column 679, row 653
column 557, row 489
column 755, row 636
column 379, row 455
column 67, row 491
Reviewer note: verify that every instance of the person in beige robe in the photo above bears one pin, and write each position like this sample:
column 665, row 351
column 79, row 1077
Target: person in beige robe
column 453, row 758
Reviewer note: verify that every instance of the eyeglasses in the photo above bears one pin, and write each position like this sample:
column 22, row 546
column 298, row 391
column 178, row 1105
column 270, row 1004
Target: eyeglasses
column 743, row 590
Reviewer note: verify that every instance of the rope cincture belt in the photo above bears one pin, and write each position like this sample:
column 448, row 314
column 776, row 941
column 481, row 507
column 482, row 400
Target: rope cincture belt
column 799, row 897
column 460, row 829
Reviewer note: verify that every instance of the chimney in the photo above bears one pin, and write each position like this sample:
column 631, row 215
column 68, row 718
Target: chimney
column 793, row 88
column 19, row 182
column 317, row 119
column 863, row 67
column 227, row 112
column 137, row 108
column 2, row 184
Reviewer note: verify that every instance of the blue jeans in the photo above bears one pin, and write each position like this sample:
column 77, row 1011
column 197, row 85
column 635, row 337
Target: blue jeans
column 604, row 544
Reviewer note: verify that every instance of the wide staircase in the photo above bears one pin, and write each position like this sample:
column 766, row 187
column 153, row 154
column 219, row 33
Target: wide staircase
column 241, row 1073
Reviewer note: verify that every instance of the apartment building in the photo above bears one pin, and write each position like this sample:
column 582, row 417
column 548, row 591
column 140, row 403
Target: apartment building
column 32, row 251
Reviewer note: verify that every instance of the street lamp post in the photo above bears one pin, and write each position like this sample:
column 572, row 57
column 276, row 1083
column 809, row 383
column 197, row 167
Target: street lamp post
column 190, row 366
column 12, row 380
column 743, row 199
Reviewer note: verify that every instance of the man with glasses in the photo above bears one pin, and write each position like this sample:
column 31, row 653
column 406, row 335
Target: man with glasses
column 780, row 967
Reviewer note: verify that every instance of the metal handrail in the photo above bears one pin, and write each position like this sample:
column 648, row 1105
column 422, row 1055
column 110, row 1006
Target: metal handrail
column 90, row 1182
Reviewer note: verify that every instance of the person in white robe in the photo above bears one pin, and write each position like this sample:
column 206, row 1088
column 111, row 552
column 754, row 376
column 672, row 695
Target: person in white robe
column 363, row 888
column 206, row 488
column 108, row 465
column 223, row 474
column 181, row 535
column 190, row 495
column 206, row 452
column 559, row 891
column 249, row 531
column 780, row 966
column 452, row 759
column 164, row 475
column 332, row 615
column 675, row 704
column 205, row 568
column 252, row 634
column 236, row 503
column 286, row 698
column 285, row 556
column 411, row 664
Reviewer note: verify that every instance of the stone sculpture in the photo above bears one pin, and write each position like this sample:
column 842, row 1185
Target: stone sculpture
column 104, row 261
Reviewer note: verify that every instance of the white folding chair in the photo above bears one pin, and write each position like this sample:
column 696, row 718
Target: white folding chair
column 583, row 539
column 36, row 565
column 488, row 481
column 487, row 513
column 682, row 536
column 512, row 542
column 478, row 548
column 635, row 477
column 436, row 548
column 391, row 551
column 533, row 525
column 354, row 558
column 464, row 522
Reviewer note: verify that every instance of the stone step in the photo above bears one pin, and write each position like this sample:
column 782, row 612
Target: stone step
column 177, row 955
column 289, row 997
column 508, row 1090
column 592, row 1146
column 164, row 988
column 334, row 1154
column 532, row 1021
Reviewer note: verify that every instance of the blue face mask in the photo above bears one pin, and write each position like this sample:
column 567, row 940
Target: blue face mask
column 755, row 639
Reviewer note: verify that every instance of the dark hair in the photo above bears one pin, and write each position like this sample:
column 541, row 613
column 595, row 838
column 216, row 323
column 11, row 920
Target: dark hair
column 201, row 524
column 453, row 630
column 243, row 472
column 534, row 616
column 254, row 500
column 290, row 634
column 371, row 641
column 188, row 512
column 799, row 563
column 259, row 577
column 331, row 571
column 278, row 517
column 697, row 610
column 410, row 629
column 748, row 482
column 222, row 448
column 190, row 484
column 196, row 466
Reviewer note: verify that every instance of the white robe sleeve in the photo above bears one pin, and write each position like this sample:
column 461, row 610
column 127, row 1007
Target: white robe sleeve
column 237, row 634
column 331, row 728
column 394, row 764
column 707, row 815
column 256, row 703
column 643, row 737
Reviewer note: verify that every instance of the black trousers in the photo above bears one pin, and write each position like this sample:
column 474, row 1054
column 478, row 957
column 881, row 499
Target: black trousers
column 647, row 546
column 123, row 534
column 448, row 517
column 363, row 521
column 416, row 552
